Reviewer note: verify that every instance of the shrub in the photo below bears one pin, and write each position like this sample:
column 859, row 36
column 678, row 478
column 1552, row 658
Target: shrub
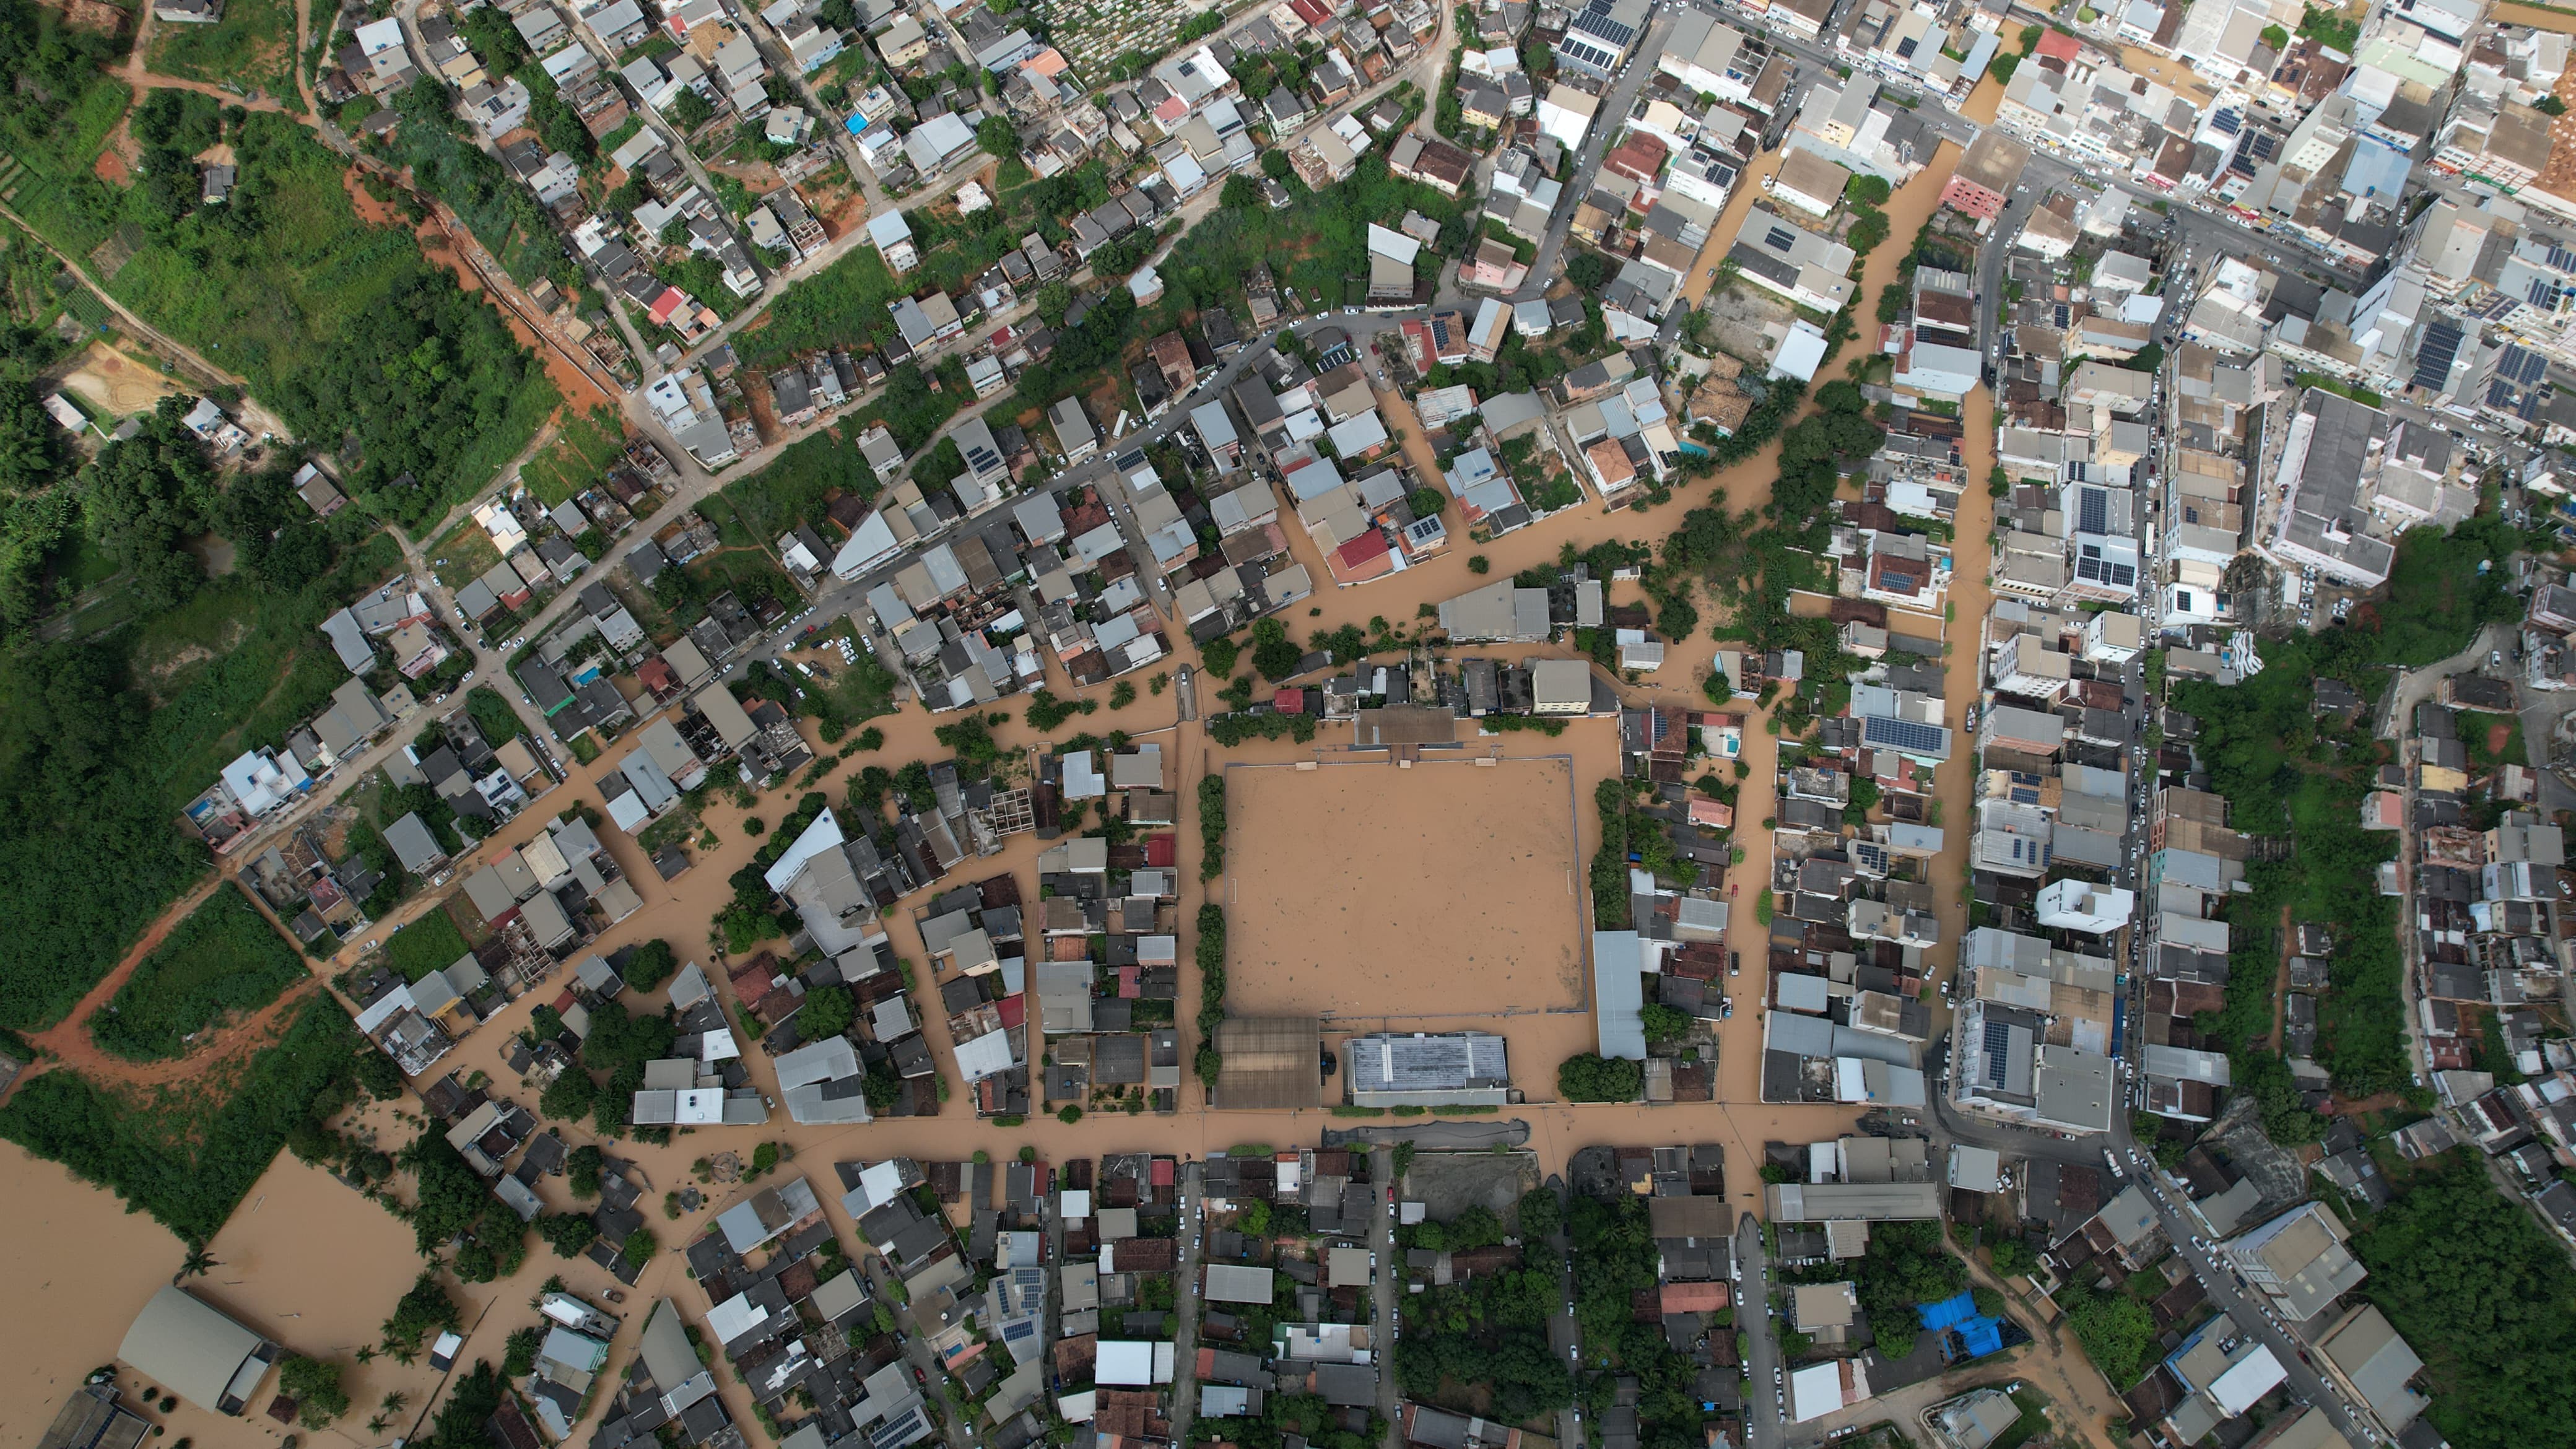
column 1592, row 1078
column 1212, row 827
column 314, row 1385
column 1274, row 654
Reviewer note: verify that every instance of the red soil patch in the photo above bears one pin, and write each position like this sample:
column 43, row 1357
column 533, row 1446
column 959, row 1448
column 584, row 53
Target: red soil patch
column 370, row 210
column 579, row 392
column 110, row 168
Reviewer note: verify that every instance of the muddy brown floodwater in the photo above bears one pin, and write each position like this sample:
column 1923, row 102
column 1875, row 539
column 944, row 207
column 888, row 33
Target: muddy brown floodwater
column 315, row 1268
column 1443, row 890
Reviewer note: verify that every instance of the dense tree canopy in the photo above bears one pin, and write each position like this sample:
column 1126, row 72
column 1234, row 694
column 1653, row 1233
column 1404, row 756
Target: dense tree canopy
column 413, row 382
column 145, row 497
column 2486, row 1298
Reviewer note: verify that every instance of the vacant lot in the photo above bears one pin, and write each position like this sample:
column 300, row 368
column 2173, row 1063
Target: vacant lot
column 252, row 48
column 431, row 943
column 583, row 448
column 224, row 958
column 1365, row 891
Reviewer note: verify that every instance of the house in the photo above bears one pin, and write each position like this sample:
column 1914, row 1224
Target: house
column 188, row 12
column 892, row 237
column 1988, row 171
column 1433, row 162
column 1075, row 434
column 198, row 1352
column 1600, row 36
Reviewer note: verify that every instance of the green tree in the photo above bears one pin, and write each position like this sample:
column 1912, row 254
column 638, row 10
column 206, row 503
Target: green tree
column 314, row 1385
column 1273, row 652
column 1540, row 1213
column 569, row 1234
column 652, row 963
column 1664, row 1023
column 1241, row 193
column 2116, row 1331
column 998, row 138
column 569, row 1097
column 144, row 498
column 689, row 111
column 1866, row 190
column 1591, row 1078
column 1589, row 271
column 424, row 1309
column 827, row 1013
column 582, row 1167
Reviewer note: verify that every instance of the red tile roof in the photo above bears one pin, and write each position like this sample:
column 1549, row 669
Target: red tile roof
column 1694, row 1297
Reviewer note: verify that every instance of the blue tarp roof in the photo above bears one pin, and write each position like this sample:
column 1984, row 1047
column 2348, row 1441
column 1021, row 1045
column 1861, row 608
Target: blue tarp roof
column 1947, row 1313
column 1979, row 1337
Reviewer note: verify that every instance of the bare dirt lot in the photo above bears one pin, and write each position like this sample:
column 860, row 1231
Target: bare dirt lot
column 1449, row 1183
column 110, row 379
column 1442, row 891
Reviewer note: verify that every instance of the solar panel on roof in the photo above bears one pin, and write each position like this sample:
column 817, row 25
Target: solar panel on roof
column 2092, row 510
column 1998, row 1047
column 2226, row 121
column 1903, row 734
column 2433, row 360
column 1778, row 239
column 2523, row 366
column 2561, row 259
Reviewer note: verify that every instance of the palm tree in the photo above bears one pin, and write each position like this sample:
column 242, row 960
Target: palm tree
column 378, row 1424
column 394, row 1401
column 195, row 1264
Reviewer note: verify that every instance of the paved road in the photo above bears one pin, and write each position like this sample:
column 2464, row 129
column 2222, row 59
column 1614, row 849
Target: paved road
column 1563, row 1335
column 1384, row 1277
column 1606, row 122
column 1765, row 1427
column 2226, row 1291
column 916, row 1352
column 1185, row 1301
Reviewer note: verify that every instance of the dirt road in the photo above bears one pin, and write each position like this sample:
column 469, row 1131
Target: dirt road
column 69, row 1045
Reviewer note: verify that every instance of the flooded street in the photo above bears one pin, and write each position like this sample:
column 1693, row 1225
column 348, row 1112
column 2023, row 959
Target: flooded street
column 317, row 1271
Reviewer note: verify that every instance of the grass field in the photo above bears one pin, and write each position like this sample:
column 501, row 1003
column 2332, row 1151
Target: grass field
column 251, row 49
column 492, row 714
column 58, row 195
column 737, row 569
column 272, row 308
column 431, row 943
column 188, row 1153
column 463, row 553
column 224, row 958
column 90, row 843
column 843, row 305
column 795, row 487
column 582, row 450
column 239, row 665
